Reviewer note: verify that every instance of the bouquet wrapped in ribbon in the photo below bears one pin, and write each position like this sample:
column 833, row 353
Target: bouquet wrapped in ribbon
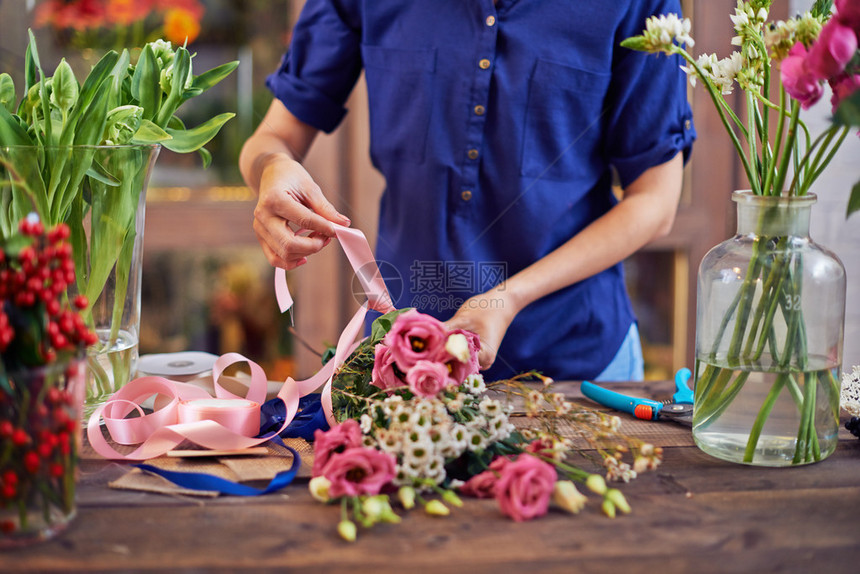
column 415, row 417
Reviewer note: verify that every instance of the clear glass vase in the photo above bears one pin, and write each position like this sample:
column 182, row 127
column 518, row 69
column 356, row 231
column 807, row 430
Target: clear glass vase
column 769, row 332
column 40, row 438
column 100, row 192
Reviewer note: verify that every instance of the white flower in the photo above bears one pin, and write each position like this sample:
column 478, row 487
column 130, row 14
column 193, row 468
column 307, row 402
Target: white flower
column 388, row 441
column 850, row 395
column 490, row 407
column 458, row 347
column 661, row 31
column 475, row 384
column 366, row 423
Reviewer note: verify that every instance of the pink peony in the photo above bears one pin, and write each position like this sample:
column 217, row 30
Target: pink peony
column 357, row 471
column 797, row 79
column 339, row 438
column 415, row 337
column 848, row 12
column 483, row 485
column 832, row 50
column 524, row 488
column 842, row 87
column 427, row 378
column 459, row 370
column 385, row 373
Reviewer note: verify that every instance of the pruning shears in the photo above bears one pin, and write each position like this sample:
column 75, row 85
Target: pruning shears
column 678, row 409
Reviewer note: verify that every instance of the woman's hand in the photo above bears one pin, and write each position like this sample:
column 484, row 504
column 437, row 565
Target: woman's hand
column 488, row 315
column 291, row 204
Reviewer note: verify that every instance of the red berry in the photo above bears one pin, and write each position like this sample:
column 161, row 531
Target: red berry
column 31, row 462
column 6, row 429
column 9, row 477
column 19, row 437
column 57, row 470
column 81, row 302
column 8, row 490
column 45, row 450
column 52, row 306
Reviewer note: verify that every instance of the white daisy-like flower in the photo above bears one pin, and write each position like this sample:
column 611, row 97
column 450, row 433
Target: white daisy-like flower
column 490, row 407
column 849, row 397
column 476, row 440
column 366, row 423
column 475, row 384
column 417, row 454
column 388, row 441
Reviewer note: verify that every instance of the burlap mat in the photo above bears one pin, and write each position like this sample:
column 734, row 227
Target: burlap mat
column 237, row 468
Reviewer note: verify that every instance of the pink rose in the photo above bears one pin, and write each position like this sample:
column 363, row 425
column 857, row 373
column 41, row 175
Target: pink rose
column 358, row 471
column 483, row 485
column 832, row 50
column 848, row 12
column 427, row 378
column 524, row 488
column 797, row 79
column 339, row 438
column 842, row 87
column 385, row 373
column 415, row 337
column 459, row 370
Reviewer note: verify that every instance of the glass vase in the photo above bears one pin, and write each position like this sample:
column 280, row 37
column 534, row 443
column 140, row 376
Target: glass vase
column 769, row 332
column 100, row 192
column 40, row 438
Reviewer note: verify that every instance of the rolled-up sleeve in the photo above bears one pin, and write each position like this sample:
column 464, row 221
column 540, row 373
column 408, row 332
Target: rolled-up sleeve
column 321, row 67
column 650, row 120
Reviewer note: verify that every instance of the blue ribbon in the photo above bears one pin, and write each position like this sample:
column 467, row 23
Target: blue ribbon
column 308, row 419
column 202, row 481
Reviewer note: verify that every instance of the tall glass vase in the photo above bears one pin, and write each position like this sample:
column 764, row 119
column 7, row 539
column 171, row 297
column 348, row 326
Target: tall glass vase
column 100, row 192
column 769, row 332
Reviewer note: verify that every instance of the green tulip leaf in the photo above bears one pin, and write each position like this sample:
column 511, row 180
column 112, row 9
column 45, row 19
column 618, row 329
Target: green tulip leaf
column 185, row 141
column 149, row 133
column 205, row 156
column 7, row 92
column 211, row 77
column 854, row 200
column 144, row 83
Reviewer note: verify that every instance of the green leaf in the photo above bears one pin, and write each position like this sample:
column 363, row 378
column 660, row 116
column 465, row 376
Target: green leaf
column 64, row 88
column 149, row 133
column 383, row 324
column 848, row 112
column 211, row 77
column 30, row 72
column 179, row 72
column 205, row 156
column 98, row 173
column 11, row 132
column 822, row 8
column 92, row 122
column 854, row 200
column 43, row 89
column 7, row 92
column 185, row 141
column 144, row 83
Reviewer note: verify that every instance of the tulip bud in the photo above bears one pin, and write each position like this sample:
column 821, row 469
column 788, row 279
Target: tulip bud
column 566, row 496
column 406, row 494
column 608, row 508
column 319, row 486
column 596, row 484
column 436, row 508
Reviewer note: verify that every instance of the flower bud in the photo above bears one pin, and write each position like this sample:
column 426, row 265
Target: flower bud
column 608, row 508
column 373, row 508
column 347, row 530
column 436, row 508
column 596, row 484
column 458, row 347
column 319, row 486
column 406, row 495
column 617, row 498
column 451, row 498
column 567, row 497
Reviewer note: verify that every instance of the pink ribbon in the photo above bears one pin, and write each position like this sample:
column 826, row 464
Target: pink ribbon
column 230, row 422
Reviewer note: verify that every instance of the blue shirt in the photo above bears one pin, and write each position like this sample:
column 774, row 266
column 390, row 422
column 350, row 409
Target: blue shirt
column 495, row 126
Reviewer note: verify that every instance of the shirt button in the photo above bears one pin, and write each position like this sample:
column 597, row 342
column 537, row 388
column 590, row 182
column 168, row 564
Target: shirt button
column 479, row 110
column 484, row 64
column 473, row 154
column 688, row 124
column 491, row 20
column 466, row 195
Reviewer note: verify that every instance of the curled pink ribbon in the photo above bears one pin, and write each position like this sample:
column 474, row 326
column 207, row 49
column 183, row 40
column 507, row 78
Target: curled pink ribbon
column 230, row 422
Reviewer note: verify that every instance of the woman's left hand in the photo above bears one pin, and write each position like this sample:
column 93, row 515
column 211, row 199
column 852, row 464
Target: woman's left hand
column 488, row 315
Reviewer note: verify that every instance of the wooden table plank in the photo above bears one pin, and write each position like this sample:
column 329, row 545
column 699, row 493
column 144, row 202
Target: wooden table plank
column 694, row 514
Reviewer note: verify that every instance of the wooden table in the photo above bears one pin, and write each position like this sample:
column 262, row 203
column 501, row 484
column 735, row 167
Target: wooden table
column 694, row 514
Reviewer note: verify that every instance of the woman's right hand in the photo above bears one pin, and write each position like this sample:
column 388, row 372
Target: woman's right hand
column 293, row 219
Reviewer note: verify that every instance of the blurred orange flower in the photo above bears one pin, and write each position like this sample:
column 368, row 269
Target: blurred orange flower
column 126, row 12
column 180, row 26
